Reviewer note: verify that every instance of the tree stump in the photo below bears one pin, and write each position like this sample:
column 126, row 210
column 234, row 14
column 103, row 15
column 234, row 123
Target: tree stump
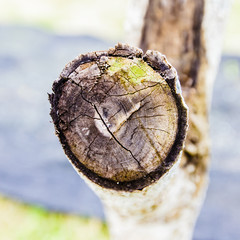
column 122, row 121
column 120, row 116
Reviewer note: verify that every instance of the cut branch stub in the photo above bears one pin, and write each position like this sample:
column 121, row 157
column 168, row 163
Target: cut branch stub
column 120, row 116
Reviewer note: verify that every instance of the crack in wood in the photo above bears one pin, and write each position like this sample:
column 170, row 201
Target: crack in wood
column 132, row 93
column 101, row 118
column 138, row 162
column 117, row 121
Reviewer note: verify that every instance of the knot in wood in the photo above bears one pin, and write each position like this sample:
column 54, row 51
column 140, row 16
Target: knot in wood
column 119, row 116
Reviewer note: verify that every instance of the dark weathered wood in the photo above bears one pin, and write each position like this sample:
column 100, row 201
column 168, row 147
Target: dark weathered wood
column 189, row 33
column 176, row 30
column 120, row 116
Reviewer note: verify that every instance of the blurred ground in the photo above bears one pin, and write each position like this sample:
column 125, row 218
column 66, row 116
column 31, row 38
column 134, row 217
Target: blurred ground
column 33, row 166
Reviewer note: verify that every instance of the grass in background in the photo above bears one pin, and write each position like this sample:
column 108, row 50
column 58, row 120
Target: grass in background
column 22, row 222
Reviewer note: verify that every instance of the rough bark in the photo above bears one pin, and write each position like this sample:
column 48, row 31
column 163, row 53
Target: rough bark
column 189, row 33
column 120, row 116
column 122, row 122
column 109, row 119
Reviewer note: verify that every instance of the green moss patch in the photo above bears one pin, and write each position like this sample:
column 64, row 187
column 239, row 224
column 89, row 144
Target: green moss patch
column 134, row 71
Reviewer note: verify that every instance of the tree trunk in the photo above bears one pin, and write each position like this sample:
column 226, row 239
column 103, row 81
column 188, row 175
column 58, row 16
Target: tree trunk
column 122, row 122
column 121, row 118
column 189, row 33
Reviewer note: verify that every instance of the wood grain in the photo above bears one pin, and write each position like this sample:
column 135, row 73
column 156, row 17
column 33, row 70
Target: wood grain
column 120, row 116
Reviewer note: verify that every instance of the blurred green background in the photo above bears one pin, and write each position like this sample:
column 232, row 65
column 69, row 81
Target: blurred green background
column 103, row 20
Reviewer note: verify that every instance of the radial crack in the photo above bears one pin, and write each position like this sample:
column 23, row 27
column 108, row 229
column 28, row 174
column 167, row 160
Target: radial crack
column 117, row 139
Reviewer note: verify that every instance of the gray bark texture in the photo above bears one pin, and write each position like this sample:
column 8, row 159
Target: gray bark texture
column 189, row 33
column 122, row 120
column 120, row 116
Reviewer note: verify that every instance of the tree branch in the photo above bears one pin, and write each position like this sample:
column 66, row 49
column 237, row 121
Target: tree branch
column 120, row 116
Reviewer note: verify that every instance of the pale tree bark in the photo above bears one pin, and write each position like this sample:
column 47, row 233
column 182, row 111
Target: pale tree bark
column 189, row 33
column 122, row 120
